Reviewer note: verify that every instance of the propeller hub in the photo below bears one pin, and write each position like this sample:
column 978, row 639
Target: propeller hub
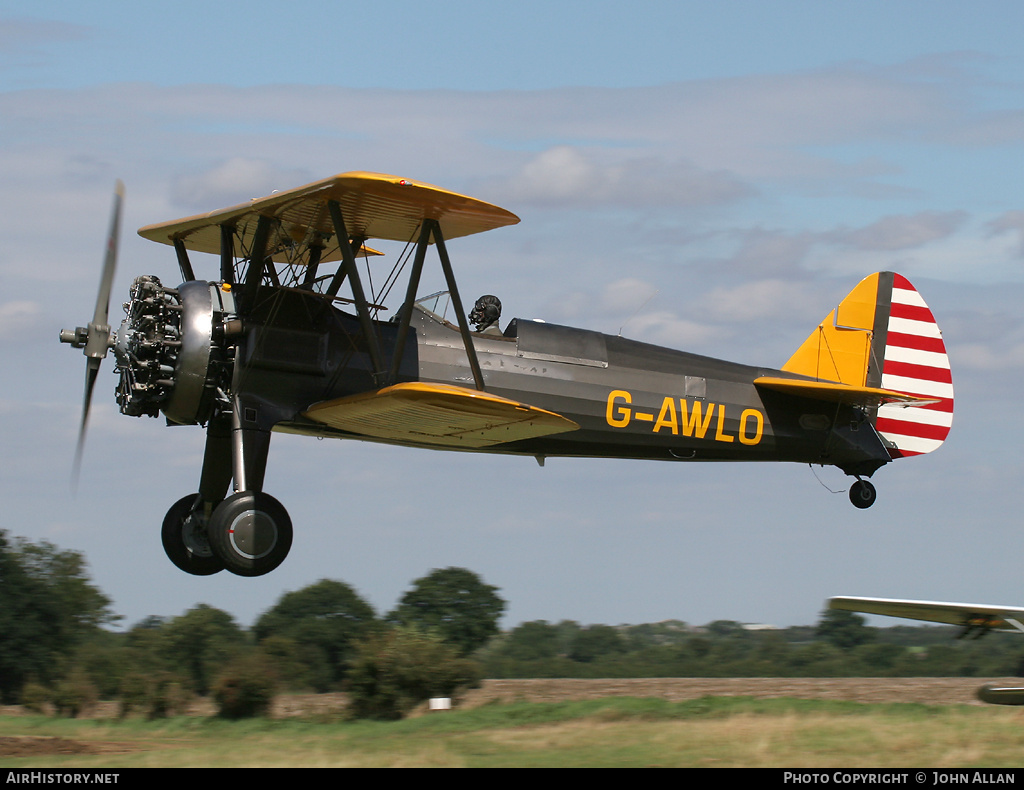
column 98, row 341
column 77, row 337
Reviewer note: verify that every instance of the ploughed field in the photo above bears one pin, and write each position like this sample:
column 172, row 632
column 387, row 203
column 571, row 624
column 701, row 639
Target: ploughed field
column 928, row 691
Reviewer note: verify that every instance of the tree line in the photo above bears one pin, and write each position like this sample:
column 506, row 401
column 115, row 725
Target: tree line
column 840, row 645
column 58, row 650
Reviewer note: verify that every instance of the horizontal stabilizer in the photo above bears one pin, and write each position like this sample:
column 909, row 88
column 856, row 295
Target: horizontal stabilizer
column 866, row 397
column 438, row 414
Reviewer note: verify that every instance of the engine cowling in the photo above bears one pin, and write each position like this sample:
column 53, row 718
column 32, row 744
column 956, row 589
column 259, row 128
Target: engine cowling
column 172, row 353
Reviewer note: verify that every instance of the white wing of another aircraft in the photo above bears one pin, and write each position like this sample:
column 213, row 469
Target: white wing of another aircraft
column 975, row 618
column 971, row 616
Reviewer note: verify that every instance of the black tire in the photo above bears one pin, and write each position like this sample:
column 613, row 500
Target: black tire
column 862, row 494
column 185, row 539
column 251, row 533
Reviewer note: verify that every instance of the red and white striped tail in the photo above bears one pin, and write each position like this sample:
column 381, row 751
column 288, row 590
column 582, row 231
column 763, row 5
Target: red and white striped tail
column 915, row 363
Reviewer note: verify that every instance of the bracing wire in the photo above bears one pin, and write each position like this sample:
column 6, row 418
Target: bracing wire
column 822, row 482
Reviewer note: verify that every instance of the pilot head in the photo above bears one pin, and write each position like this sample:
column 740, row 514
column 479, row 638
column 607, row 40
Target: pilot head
column 485, row 312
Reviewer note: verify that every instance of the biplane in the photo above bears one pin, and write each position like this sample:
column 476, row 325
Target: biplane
column 974, row 619
column 283, row 335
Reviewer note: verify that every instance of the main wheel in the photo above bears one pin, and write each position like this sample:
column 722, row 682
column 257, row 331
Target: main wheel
column 184, row 538
column 862, row 494
column 251, row 533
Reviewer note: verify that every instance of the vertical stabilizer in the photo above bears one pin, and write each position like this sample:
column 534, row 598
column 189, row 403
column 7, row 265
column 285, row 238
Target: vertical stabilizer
column 884, row 335
column 840, row 348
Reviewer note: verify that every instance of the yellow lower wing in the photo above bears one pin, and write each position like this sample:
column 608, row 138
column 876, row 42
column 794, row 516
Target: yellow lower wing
column 438, row 414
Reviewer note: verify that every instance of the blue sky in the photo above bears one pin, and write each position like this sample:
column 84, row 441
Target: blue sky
column 483, row 46
column 711, row 177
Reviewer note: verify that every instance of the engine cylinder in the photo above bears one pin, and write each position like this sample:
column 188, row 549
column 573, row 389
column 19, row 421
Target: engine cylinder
column 170, row 350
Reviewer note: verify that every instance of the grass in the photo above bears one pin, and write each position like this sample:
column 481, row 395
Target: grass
column 611, row 732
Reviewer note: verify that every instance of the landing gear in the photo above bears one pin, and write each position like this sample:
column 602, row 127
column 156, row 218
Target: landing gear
column 251, row 533
column 862, row 494
column 185, row 540
column 248, row 532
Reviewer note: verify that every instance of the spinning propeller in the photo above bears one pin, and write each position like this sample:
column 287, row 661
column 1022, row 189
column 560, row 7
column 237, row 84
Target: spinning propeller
column 96, row 338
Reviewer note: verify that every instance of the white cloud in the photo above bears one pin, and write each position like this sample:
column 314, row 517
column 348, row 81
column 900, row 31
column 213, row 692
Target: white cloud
column 234, row 181
column 557, row 174
column 902, row 232
column 567, row 176
column 21, row 35
column 668, row 329
column 760, row 251
column 627, row 295
column 996, row 356
column 16, row 318
column 762, row 299
column 1010, row 222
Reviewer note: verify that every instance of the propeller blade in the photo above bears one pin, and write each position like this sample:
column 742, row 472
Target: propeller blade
column 110, row 262
column 92, row 369
column 97, row 336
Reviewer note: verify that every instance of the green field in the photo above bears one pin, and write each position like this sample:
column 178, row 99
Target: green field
column 612, row 732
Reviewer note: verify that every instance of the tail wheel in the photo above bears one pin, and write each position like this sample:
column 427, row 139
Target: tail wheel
column 862, row 494
column 251, row 533
column 185, row 539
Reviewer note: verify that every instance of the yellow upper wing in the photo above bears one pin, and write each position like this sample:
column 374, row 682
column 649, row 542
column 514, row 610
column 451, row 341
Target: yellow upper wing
column 374, row 205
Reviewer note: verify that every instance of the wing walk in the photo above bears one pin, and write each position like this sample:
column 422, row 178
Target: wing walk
column 438, row 414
